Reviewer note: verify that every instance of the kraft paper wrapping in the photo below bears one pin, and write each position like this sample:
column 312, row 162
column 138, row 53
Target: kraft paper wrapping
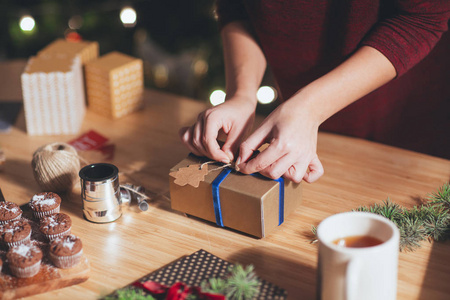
column 249, row 204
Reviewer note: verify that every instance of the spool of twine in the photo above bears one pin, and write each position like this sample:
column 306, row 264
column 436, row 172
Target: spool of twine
column 55, row 167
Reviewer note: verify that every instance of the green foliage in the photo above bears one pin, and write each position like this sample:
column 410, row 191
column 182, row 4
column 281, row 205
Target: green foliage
column 441, row 196
column 240, row 284
column 412, row 232
column 389, row 210
column 215, row 285
column 129, row 294
column 430, row 221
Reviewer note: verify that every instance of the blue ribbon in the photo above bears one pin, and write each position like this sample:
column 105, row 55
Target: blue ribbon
column 216, row 196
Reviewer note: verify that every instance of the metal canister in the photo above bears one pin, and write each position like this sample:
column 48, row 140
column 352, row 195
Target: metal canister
column 100, row 192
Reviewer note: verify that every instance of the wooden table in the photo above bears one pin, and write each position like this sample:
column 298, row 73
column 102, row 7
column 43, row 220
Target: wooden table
column 357, row 172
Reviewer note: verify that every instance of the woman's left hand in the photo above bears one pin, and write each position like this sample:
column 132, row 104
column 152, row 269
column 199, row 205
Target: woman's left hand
column 292, row 136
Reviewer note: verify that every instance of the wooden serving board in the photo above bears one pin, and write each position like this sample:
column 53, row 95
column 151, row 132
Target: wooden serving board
column 49, row 278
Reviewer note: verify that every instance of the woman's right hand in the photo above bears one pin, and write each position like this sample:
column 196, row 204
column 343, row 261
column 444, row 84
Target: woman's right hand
column 234, row 117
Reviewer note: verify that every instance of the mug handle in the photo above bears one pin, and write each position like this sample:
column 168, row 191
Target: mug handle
column 351, row 278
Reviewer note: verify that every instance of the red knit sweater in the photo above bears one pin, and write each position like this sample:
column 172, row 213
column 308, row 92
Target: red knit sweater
column 303, row 40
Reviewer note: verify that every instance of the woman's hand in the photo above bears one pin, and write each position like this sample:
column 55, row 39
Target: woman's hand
column 234, row 117
column 292, row 136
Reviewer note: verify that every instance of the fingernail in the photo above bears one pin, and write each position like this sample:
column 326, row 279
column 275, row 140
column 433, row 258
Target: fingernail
column 238, row 161
column 230, row 155
column 225, row 160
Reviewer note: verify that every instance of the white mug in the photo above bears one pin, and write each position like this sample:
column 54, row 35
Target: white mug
column 368, row 273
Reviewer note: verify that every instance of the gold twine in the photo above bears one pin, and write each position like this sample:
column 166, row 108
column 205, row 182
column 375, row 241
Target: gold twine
column 56, row 166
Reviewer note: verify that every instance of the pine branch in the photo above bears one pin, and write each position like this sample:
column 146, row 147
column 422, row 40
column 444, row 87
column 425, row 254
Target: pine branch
column 241, row 283
column 412, row 232
column 388, row 209
column 426, row 222
column 441, row 196
column 214, row 285
column 129, row 294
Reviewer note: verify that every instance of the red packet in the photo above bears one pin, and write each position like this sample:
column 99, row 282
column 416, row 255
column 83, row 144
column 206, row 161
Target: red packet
column 91, row 140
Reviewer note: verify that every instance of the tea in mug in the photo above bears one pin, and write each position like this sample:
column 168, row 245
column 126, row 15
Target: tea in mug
column 357, row 241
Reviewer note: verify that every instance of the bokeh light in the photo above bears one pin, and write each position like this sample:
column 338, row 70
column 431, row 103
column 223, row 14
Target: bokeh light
column 266, row 94
column 27, row 23
column 161, row 75
column 217, row 97
column 128, row 16
column 75, row 22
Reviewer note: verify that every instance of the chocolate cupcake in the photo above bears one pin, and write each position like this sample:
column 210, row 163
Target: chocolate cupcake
column 16, row 232
column 24, row 260
column 9, row 211
column 65, row 252
column 44, row 204
column 56, row 225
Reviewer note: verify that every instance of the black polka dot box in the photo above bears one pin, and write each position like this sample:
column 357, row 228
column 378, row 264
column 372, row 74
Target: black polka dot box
column 185, row 279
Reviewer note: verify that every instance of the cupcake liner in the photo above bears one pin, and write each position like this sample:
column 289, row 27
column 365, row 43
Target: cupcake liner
column 52, row 237
column 41, row 214
column 14, row 219
column 66, row 262
column 27, row 271
column 25, row 240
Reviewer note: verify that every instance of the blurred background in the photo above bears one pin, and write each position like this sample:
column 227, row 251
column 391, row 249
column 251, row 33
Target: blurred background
column 178, row 40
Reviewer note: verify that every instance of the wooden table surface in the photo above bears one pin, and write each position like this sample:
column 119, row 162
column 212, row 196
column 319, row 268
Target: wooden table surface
column 357, row 172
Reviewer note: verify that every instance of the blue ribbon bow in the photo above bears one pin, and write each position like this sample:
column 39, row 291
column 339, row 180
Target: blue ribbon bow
column 216, row 196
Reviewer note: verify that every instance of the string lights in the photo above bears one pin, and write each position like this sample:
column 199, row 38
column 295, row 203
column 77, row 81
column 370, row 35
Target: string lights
column 217, row 97
column 265, row 95
column 128, row 16
column 27, row 23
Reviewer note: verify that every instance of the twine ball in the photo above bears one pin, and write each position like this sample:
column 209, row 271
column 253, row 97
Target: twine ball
column 55, row 167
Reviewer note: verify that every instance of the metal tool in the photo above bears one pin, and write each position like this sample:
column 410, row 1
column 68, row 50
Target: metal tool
column 100, row 192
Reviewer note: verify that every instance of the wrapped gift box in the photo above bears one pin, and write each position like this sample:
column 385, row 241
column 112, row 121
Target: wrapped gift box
column 198, row 267
column 115, row 84
column 251, row 204
column 85, row 50
column 53, row 95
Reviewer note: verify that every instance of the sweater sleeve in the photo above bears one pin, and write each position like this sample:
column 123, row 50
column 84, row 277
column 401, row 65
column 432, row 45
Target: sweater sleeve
column 408, row 36
column 230, row 10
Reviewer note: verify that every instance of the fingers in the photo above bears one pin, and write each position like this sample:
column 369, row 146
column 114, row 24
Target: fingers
column 186, row 136
column 296, row 172
column 211, row 146
column 197, row 137
column 265, row 159
column 231, row 145
column 278, row 168
column 315, row 171
column 268, row 164
column 248, row 147
column 201, row 139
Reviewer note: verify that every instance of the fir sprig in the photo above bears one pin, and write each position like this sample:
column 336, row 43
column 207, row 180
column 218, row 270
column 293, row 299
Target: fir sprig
column 430, row 221
column 129, row 294
column 441, row 196
column 240, row 284
column 388, row 209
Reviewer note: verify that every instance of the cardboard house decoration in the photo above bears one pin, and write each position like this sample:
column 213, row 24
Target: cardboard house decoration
column 53, row 96
column 85, row 50
column 115, row 84
column 53, row 88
